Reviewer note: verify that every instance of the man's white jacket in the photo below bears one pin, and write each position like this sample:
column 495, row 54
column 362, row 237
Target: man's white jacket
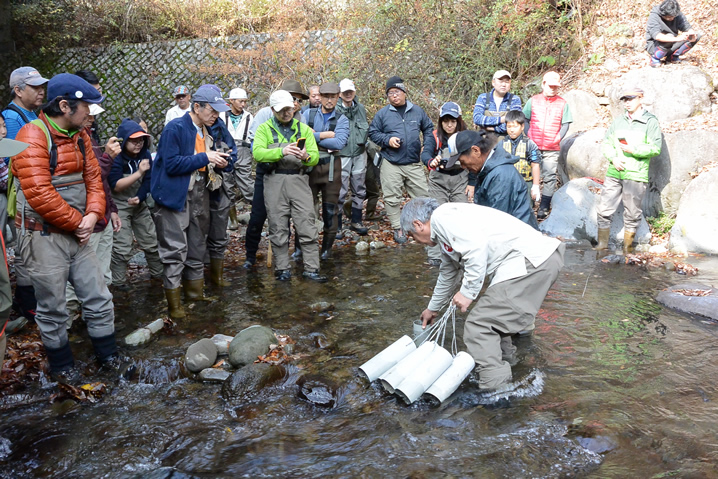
column 486, row 242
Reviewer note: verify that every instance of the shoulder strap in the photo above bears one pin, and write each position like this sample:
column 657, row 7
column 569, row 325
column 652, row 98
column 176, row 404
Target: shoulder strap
column 246, row 126
column 437, row 140
column 14, row 107
column 312, row 116
column 51, row 146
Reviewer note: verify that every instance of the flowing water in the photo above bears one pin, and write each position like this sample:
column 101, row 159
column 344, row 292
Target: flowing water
column 611, row 384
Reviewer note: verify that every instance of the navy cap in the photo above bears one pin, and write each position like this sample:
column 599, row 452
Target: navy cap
column 450, row 109
column 460, row 143
column 211, row 94
column 72, row 87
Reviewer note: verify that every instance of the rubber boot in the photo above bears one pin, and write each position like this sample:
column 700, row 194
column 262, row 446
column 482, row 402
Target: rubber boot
column 371, row 209
column 657, row 57
column 105, row 347
column 233, row 223
column 356, row 224
column 174, row 303
column 603, row 234
column 347, row 209
column 327, row 243
column 628, row 238
column 544, row 207
column 340, row 231
column 60, row 359
column 216, row 270
column 193, row 289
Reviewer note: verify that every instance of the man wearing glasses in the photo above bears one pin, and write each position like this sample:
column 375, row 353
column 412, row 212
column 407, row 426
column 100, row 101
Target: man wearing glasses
column 490, row 108
column 182, row 96
column 630, row 143
column 397, row 129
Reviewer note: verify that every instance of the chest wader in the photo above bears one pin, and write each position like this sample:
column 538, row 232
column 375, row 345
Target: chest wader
column 326, row 178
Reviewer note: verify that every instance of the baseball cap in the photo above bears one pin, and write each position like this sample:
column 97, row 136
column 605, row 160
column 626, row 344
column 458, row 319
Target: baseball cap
column 11, row 147
column 26, row 76
column 631, row 92
column 210, row 94
column 294, row 88
column 552, row 79
column 281, row 99
column 72, row 87
column 329, row 88
column 180, row 90
column 95, row 109
column 460, row 143
column 501, row 74
column 237, row 94
column 139, row 134
column 346, row 85
column 450, row 109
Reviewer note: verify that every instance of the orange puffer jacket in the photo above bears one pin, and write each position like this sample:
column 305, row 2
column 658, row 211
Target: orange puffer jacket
column 32, row 168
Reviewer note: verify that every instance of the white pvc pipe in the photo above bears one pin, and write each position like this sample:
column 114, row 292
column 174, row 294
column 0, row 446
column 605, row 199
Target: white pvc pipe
column 452, row 378
column 386, row 359
column 424, row 374
column 393, row 377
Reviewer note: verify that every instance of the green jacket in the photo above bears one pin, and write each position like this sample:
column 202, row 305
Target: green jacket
column 358, row 128
column 264, row 137
column 643, row 135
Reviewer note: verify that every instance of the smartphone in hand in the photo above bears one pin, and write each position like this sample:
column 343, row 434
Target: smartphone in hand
column 622, row 141
column 301, row 142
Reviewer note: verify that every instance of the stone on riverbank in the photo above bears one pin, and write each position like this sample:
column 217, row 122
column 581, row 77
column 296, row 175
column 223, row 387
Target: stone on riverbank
column 214, row 375
column 250, row 379
column 222, row 342
column 201, row 355
column 696, row 227
column 706, row 306
column 249, row 344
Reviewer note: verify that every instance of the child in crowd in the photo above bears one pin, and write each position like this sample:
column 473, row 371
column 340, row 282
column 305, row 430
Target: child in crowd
column 130, row 183
column 445, row 185
column 518, row 144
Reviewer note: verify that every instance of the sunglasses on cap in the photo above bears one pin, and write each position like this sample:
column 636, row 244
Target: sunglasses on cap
column 628, row 97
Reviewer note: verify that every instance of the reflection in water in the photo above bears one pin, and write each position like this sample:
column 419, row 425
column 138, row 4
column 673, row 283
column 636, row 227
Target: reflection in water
column 605, row 366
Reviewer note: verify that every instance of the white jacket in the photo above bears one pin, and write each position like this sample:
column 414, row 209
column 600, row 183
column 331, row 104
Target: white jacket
column 175, row 112
column 241, row 132
column 485, row 242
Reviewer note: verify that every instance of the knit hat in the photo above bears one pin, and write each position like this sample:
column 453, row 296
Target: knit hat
column 395, row 82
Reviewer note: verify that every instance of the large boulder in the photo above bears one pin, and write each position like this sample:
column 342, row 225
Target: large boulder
column 671, row 93
column 250, row 343
column 584, row 110
column 684, row 152
column 573, row 214
column 696, row 227
column 680, row 297
column 583, row 157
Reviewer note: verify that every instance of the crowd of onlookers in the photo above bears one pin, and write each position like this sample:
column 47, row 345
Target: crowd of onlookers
column 77, row 204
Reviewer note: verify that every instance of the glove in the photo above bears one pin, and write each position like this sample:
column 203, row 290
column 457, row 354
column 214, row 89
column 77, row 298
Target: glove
column 536, row 192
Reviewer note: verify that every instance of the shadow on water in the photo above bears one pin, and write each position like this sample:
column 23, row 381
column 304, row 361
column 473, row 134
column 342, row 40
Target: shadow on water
column 609, row 385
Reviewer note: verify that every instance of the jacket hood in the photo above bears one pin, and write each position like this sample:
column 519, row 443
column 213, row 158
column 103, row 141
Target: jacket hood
column 128, row 128
column 499, row 157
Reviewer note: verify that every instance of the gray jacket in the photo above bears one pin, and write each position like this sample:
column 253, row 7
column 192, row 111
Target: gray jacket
column 358, row 128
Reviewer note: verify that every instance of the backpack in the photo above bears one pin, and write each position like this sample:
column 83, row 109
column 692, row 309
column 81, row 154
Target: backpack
column 11, row 186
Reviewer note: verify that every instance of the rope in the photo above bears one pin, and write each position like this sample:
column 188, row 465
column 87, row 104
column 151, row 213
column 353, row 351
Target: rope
column 438, row 330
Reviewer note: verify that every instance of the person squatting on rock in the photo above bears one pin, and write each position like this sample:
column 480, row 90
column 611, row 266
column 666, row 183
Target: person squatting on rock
column 668, row 34
column 354, row 158
column 521, row 263
column 630, row 142
column 498, row 184
column 397, row 129
column 258, row 214
column 445, row 184
column 238, row 119
column 331, row 132
column 518, row 144
column 60, row 200
column 550, row 118
column 286, row 185
column 130, row 180
column 179, row 188
column 491, row 108
column 27, row 90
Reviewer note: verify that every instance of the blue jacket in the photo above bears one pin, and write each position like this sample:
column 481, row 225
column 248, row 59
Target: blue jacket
column 175, row 162
column 501, row 186
column 341, row 131
column 388, row 122
column 13, row 120
column 485, row 101
column 124, row 164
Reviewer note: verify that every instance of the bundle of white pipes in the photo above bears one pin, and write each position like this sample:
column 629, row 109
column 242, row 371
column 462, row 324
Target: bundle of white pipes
column 410, row 371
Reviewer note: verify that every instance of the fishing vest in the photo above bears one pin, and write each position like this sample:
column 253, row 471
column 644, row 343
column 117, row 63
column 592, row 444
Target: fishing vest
column 70, row 187
column 289, row 164
column 546, row 115
column 239, row 134
column 523, row 165
column 324, row 155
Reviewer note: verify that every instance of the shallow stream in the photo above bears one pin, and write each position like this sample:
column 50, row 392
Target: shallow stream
column 629, row 387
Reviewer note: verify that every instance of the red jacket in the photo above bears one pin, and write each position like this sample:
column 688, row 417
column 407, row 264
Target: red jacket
column 546, row 115
column 31, row 168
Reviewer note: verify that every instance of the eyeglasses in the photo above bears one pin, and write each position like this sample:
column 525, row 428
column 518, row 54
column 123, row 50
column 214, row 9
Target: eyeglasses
column 298, row 100
column 394, row 93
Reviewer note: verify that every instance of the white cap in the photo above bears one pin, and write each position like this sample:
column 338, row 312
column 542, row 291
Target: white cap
column 95, row 109
column 346, row 85
column 238, row 94
column 281, row 99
